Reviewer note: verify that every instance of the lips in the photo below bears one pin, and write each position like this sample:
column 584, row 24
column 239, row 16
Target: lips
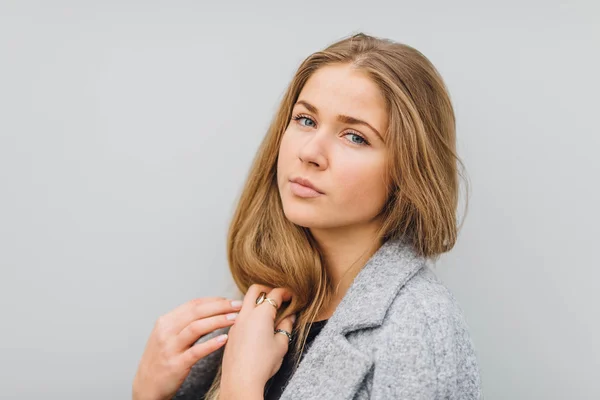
column 304, row 188
column 306, row 182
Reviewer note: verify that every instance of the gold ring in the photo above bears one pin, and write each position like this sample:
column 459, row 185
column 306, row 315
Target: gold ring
column 261, row 297
column 273, row 303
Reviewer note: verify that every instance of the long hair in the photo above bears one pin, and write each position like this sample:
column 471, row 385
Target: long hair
column 422, row 177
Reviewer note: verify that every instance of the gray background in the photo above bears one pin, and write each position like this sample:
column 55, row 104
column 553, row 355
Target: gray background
column 127, row 129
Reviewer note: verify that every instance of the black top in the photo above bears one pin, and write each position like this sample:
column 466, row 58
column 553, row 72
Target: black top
column 275, row 385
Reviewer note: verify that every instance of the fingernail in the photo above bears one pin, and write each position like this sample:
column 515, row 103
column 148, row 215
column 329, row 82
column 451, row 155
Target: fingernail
column 222, row 338
column 236, row 303
column 293, row 318
column 231, row 316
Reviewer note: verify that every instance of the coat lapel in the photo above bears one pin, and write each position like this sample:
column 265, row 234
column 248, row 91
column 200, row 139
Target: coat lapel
column 333, row 368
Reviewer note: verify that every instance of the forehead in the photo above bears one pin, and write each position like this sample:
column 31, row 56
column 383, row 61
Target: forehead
column 341, row 89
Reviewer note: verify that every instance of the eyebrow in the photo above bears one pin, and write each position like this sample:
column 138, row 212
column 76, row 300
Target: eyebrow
column 341, row 118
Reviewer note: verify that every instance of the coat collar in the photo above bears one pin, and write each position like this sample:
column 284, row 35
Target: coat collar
column 333, row 367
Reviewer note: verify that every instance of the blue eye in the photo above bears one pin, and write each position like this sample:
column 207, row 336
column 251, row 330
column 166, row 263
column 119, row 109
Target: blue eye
column 360, row 138
column 300, row 117
column 360, row 142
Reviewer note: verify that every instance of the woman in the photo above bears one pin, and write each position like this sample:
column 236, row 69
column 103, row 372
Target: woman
column 353, row 189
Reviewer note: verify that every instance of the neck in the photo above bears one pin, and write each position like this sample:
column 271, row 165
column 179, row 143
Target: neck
column 345, row 251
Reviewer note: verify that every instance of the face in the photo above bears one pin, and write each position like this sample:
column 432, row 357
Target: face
column 328, row 147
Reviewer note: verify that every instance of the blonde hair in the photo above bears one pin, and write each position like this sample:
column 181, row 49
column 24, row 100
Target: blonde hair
column 265, row 247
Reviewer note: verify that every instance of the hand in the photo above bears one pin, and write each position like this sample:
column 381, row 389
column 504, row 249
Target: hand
column 169, row 354
column 254, row 353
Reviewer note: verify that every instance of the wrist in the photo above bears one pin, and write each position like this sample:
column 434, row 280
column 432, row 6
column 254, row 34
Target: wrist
column 241, row 391
column 241, row 395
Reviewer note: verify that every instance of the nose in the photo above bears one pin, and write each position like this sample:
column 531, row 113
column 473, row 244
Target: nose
column 312, row 151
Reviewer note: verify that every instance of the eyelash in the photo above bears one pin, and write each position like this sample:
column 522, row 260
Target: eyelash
column 365, row 143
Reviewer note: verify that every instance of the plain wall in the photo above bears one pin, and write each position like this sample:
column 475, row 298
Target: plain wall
column 127, row 129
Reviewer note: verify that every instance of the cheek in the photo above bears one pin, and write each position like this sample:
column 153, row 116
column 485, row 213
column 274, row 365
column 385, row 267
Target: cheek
column 362, row 185
column 285, row 147
column 285, row 156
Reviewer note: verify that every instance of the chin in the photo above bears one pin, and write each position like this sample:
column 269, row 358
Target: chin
column 305, row 218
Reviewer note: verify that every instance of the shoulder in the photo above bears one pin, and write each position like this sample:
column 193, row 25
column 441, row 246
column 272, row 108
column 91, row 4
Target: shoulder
column 426, row 341
column 425, row 302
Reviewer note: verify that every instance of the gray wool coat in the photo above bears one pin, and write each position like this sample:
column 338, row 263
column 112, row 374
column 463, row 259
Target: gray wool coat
column 398, row 333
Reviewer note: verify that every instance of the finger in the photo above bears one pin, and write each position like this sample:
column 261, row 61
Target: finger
column 282, row 340
column 184, row 308
column 194, row 310
column 250, row 298
column 205, row 310
column 200, row 327
column 279, row 295
column 201, row 350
